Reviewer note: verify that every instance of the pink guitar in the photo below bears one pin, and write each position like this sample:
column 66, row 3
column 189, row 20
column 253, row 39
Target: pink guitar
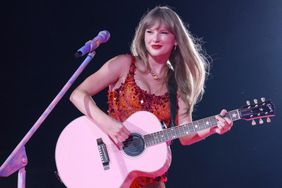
column 87, row 158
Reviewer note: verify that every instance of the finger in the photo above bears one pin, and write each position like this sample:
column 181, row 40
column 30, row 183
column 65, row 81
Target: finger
column 220, row 118
column 223, row 112
column 220, row 121
column 228, row 121
column 220, row 125
column 122, row 137
column 117, row 141
column 114, row 139
column 218, row 131
column 125, row 130
column 119, row 145
column 123, row 133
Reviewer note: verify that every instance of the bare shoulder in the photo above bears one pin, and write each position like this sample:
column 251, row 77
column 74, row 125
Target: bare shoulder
column 140, row 65
column 117, row 69
column 109, row 74
column 120, row 63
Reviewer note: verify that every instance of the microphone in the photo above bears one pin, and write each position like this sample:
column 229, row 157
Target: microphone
column 90, row 46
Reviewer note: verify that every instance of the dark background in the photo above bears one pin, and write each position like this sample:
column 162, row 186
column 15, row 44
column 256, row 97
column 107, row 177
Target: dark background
column 243, row 39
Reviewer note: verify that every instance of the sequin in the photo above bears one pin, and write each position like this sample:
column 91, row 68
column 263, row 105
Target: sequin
column 130, row 98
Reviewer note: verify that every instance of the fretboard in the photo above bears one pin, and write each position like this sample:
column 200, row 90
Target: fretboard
column 186, row 129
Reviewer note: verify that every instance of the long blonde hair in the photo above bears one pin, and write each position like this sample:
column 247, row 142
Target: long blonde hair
column 190, row 65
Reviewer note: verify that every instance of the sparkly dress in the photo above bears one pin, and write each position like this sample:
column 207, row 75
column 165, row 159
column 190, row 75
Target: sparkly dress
column 130, row 98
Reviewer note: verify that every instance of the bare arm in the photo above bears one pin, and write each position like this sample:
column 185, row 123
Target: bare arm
column 184, row 118
column 223, row 125
column 108, row 75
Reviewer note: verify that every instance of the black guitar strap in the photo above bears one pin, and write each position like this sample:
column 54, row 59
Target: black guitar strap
column 172, row 90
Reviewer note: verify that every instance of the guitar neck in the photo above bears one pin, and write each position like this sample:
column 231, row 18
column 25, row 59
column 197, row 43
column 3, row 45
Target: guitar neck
column 186, row 129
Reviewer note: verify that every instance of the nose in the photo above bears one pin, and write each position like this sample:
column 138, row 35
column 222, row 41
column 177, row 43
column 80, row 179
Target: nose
column 156, row 37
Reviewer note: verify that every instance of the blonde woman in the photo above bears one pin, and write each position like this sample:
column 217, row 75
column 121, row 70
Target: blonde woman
column 162, row 50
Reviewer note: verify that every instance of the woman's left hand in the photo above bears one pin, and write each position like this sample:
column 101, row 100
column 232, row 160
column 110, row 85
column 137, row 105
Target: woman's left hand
column 224, row 124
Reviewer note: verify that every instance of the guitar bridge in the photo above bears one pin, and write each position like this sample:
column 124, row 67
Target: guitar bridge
column 103, row 153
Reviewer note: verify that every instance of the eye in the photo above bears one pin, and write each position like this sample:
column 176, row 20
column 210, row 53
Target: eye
column 149, row 31
column 164, row 32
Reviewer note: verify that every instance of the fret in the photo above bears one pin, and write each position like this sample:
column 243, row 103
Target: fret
column 153, row 139
column 183, row 130
column 194, row 126
column 147, row 139
column 159, row 137
column 191, row 127
column 176, row 132
column 150, row 140
column 203, row 124
column 199, row 124
column 166, row 134
column 170, row 133
column 156, row 138
column 162, row 136
column 179, row 133
column 213, row 120
column 173, row 133
column 206, row 123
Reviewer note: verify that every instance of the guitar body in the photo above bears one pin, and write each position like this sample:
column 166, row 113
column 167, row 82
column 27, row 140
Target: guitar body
column 79, row 162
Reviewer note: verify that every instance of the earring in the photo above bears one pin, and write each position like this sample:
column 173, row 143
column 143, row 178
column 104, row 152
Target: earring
column 174, row 47
column 169, row 65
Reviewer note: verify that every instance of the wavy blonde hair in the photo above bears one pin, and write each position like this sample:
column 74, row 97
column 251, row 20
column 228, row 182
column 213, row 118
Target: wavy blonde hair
column 190, row 64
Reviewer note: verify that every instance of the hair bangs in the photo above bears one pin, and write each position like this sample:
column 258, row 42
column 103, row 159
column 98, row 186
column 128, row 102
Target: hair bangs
column 159, row 18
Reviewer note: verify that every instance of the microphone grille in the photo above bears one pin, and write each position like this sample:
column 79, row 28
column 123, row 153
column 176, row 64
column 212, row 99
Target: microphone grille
column 105, row 35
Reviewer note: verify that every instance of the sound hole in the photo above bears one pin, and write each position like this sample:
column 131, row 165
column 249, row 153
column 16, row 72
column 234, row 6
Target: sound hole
column 134, row 145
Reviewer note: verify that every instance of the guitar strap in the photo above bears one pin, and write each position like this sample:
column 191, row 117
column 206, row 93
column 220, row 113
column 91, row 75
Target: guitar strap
column 172, row 90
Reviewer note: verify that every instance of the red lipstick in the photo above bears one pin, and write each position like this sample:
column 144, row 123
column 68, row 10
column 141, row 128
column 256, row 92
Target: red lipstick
column 156, row 46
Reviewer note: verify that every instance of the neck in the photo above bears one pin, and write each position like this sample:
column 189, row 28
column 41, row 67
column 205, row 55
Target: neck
column 186, row 129
column 157, row 65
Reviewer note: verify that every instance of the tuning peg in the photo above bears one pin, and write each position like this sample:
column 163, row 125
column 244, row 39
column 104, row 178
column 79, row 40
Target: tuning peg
column 254, row 122
column 255, row 101
column 248, row 103
column 262, row 99
column 268, row 120
column 260, row 121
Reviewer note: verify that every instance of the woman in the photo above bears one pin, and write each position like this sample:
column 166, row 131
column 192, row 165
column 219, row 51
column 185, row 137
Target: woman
column 162, row 49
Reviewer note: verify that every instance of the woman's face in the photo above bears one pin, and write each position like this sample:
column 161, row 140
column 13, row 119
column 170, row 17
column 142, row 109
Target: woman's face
column 159, row 41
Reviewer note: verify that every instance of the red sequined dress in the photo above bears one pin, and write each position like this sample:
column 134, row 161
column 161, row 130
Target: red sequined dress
column 130, row 98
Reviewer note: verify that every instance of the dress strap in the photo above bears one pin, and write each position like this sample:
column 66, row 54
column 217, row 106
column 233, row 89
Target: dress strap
column 132, row 65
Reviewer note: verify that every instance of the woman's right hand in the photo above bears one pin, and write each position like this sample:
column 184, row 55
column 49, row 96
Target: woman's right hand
column 106, row 76
column 117, row 132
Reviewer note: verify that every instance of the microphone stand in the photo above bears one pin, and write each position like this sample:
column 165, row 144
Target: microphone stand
column 17, row 160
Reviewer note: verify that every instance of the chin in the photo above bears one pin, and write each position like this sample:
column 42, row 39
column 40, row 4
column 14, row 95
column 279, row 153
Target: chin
column 155, row 54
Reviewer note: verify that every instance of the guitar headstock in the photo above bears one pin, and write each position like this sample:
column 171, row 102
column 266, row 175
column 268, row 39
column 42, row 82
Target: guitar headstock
column 259, row 109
